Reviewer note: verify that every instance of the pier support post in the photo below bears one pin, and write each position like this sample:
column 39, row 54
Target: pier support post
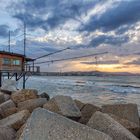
column 0, row 78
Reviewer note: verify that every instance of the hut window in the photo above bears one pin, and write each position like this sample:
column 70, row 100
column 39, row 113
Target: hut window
column 6, row 61
column 16, row 62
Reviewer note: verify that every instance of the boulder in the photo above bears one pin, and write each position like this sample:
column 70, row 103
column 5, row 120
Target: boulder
column 7, row 133
column 16, row 120
column 32, row 104
column 103, row 122
column 45, row 125
column 87, row 112
column 63, row 105
column 8, row 86
column 124, row 111
column 20, row 131
column 45, row 95
column 6, row 97
column 8, row 104
column 79, row 104
column 23, row 95
column 9, row 112
column 2, row 98
column 131, row 126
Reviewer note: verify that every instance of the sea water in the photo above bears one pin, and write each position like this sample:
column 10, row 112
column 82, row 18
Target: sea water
column 92, row 89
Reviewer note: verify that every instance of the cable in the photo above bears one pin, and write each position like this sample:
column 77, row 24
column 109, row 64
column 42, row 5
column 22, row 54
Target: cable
column 51, row 53
column 57, row 60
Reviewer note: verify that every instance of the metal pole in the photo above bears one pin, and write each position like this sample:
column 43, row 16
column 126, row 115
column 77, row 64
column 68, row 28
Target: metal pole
column 0, row 78
column 9, row 47
column 24, row 74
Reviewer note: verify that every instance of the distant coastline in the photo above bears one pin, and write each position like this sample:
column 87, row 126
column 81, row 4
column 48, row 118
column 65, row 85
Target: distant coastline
column 90, row 73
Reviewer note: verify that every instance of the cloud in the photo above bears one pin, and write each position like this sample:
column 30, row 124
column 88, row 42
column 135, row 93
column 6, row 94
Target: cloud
column 121, row 13
column 108, row 39
column 49, row 14
column 108, row 62
column 4, row 31
column 134, row 62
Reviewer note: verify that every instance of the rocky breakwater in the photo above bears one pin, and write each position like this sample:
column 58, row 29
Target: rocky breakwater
column 25, row 115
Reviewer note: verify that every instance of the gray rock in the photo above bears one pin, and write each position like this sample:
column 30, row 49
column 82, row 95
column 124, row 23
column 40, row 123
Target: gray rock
column 87, row 111
column 45, row 125
column 79, row 104
column 31, row 104
column 16, row 120
column 131, row 126
column 103, row 122
column 6, row 97
column 8, row 104
column 63, row 105
column 9, row 85
column 124, row 111
column 45, row 95
column 2, row 98
column 7, row 133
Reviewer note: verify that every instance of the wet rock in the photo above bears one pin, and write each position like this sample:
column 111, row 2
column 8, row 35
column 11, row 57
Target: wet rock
column 103, row 122
column 79, row 104
column 45, row 125
column 2, row 98
column 131, row 126
column 45, row 95
column 63, row 105
column 7, row 133
column 124, row 111
column 16, row 120
column 23, row 95
column 32, row 104
column 87, row 111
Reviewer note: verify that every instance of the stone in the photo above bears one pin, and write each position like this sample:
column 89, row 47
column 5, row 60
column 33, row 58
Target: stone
column 7, row 133
column 45, row 95
column 79, row 104
column 2, row 98
column 63, row 105
column 9, row 112
column 103, row 122
column 8, row 104
column 32, row 104
column 23, row 95
column 9, row 86
column 46, row 125
column 6, row 97
column 20, row 131
column 124, row 111
column 87, row 111
column 16, row 120
column 131, row 126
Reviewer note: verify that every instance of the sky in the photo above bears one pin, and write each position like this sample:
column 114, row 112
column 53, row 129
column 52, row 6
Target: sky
column 84, row 26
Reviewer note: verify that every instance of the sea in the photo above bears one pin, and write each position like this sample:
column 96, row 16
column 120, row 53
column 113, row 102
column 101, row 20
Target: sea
column 98, row 90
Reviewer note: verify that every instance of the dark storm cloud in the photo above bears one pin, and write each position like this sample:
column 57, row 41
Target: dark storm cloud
column 106, row 39
column 102, row 62
column 4, row 30
column 49, row 14
column 125, row 13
